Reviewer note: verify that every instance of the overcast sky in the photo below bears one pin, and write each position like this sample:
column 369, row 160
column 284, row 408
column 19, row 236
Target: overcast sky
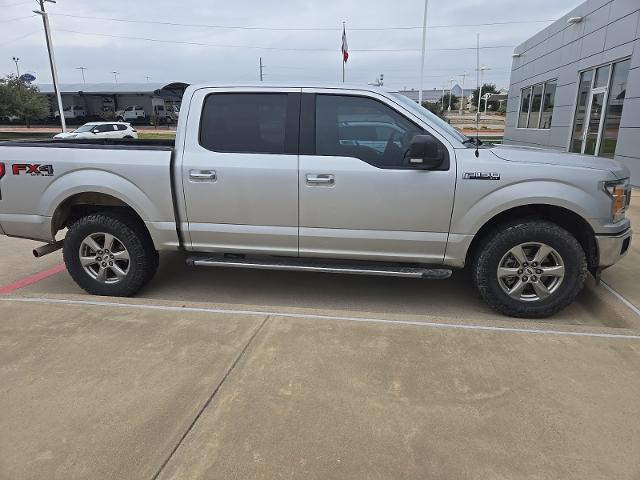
column 315, row 54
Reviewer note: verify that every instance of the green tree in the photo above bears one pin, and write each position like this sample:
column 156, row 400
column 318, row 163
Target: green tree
column 486, row 88
column 22, row 100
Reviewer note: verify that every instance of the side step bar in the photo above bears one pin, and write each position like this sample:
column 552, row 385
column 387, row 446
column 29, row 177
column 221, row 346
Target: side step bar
column 312, row 265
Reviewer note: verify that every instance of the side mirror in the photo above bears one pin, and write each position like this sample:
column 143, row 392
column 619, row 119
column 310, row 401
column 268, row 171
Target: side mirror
column 425, row 152
column 95, row 130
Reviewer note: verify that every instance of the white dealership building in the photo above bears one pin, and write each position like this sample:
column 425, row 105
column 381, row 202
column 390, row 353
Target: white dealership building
column 575, row 85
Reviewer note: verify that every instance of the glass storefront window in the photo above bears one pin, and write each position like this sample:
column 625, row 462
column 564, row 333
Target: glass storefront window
column 599, row 109
column 547, row 104
column 536, row 103
column 581, row 109
column 617, row 92
column 525, row 96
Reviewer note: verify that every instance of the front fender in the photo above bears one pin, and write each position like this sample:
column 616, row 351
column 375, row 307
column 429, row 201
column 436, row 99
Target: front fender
column 468, row 219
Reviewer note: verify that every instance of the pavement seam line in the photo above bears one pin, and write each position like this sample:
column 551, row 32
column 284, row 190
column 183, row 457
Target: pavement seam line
column 211, row 397
column 307, row 316
column 622, row 298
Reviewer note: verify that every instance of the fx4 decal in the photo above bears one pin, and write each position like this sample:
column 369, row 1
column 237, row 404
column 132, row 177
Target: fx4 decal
column 32, row 169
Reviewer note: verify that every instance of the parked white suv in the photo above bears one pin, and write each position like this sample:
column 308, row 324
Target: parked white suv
column 131, row 113
column 100, row 130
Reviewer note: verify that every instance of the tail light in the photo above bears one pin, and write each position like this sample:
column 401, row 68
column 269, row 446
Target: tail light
column 1, row 170
column 134, row 130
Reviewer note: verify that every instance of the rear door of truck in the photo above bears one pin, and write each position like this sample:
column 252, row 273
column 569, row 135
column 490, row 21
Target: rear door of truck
column 240, row 170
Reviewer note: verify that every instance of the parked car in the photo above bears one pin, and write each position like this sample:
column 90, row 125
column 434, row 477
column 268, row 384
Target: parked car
column 71, row 112
column 131, row 114
column 267, row 177
column 100, row 130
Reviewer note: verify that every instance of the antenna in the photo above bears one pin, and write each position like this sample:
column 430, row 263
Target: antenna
column 478, row 87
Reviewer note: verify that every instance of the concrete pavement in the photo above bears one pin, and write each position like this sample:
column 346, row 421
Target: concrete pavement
column 144, row 388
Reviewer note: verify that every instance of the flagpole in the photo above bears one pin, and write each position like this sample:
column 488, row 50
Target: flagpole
column 424, row 41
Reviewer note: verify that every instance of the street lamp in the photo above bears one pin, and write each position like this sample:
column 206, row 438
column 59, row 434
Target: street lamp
column 463, row 75
column 115, row 76
column 82, row 69
column 450, row 88
column 482, row 70
column 16, row 60
column 52, row 60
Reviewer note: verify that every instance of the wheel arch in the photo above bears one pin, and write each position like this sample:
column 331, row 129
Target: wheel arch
column 574, row 223
column 85, row 203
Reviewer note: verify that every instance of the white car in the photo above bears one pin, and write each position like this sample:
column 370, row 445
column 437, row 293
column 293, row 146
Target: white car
column 134, row 112
column 101, row 130
column 71, row 112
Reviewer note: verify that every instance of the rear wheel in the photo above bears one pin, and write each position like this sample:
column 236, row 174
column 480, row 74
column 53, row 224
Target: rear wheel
column 529, row 269
column 109, row 254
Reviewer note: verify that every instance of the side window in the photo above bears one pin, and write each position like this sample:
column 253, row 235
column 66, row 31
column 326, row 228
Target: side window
column 121, row 127
column 244, row 122
column 128, row 109
column 104, row 128
column 349, row 126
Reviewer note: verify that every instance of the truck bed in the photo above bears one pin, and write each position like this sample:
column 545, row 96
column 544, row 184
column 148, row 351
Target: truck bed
column 99, row 143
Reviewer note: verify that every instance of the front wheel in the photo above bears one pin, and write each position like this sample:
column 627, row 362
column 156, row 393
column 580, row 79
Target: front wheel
column 109, row 254
column 529, row 269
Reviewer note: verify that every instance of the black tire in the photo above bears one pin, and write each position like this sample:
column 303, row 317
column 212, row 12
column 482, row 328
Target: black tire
column 143, row 257
column 500, row 241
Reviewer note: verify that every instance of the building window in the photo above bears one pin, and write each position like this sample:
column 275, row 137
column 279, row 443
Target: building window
column 536, row 105
column 598, row 112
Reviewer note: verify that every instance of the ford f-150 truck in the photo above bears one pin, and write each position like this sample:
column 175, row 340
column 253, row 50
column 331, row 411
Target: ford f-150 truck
column 327, row 179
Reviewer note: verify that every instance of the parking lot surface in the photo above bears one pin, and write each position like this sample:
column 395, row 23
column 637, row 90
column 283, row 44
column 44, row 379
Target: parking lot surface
column 220, row 373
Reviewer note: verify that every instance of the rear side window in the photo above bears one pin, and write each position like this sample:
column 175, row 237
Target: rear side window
column 121, row 127
column 244, row 122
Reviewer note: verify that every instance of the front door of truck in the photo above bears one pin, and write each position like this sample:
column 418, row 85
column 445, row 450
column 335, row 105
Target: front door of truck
column 240, row 170
column 359, row 197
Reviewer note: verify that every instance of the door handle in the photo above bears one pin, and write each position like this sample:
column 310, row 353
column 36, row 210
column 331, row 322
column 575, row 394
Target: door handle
column 321, row 179
column 202, row 175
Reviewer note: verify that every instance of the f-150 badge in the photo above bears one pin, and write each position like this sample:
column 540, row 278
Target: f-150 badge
column 481, row 176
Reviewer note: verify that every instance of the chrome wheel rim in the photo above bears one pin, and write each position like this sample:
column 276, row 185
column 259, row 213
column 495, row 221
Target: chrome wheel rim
column 531, row 272
column 104, row 258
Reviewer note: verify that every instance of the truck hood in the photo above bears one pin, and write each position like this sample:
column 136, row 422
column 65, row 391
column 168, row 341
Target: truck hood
column 514, row 153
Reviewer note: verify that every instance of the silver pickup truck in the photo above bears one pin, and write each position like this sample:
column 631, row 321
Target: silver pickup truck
column 326, row 179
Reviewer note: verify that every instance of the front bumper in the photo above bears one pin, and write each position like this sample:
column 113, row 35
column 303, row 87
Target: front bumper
column 612, row 248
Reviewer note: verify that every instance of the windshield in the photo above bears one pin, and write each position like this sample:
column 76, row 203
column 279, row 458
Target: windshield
column 84, row 128
column 431, row 117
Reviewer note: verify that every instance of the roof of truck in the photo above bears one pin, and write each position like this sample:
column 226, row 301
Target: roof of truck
column 330, row 85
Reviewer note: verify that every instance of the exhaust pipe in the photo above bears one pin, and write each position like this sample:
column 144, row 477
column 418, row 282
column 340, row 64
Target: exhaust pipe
column 47, row 248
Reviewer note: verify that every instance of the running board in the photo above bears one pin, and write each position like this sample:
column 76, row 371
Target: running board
column 308, row 265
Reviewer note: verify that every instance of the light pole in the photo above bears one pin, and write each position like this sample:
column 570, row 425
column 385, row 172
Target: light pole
column 16, row 60
column 463, row 75
column 52, row 59
column 82, row 69
column 148, row 78
column 115, row 76
column 481, row 70
column 450, row 88
column 424, row 43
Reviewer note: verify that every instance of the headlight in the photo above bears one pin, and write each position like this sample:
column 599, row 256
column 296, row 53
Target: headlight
column 620, row 193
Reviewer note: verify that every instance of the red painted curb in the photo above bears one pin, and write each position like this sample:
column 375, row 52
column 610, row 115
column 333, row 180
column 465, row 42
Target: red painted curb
column 31, row 279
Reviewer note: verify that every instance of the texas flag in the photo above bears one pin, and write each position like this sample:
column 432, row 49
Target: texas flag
column 345, row 47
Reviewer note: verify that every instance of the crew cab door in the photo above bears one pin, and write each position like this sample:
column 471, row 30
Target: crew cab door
column 359, row 197
column 240, row 170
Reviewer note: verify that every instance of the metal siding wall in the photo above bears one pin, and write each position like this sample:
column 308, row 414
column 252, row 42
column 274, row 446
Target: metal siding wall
column 609, row 31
